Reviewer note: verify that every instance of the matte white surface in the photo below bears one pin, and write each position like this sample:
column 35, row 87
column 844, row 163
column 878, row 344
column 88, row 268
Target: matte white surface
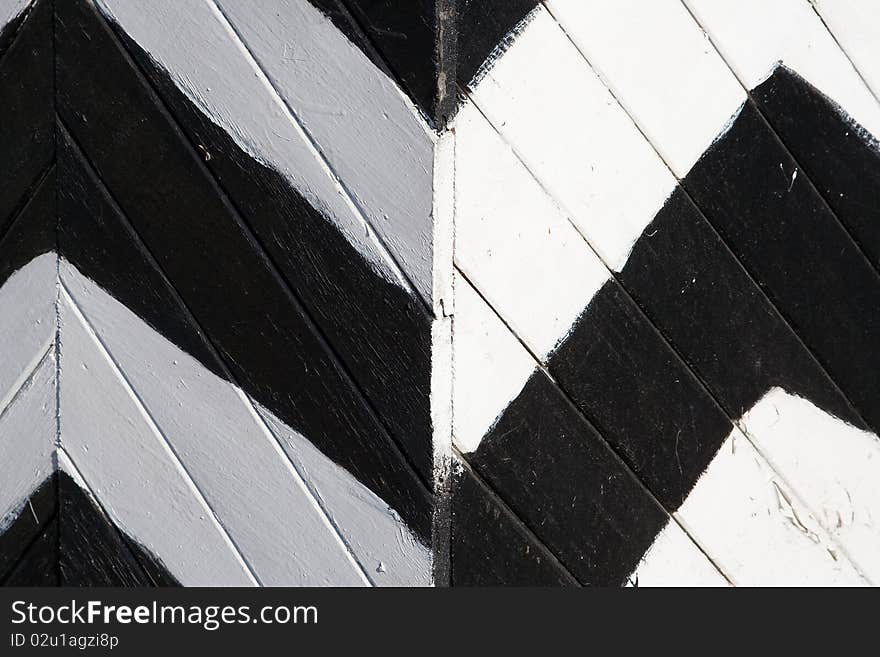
column 756, row 529
column 835, row 469
column 27, row 321
column 27, row 439
column 754, row 36
column 661, row 67
column 490, row 368
column 574, row 137
column 856, row 26
column 128, row 464
column 514, row 244
column 192, row 42
column 674, row 560
column 368, row 130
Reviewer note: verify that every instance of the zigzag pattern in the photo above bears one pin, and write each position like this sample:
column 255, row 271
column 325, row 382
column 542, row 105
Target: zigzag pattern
column 242, row 347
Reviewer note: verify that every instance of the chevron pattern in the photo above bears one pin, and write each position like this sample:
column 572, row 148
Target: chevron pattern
column 354, row 293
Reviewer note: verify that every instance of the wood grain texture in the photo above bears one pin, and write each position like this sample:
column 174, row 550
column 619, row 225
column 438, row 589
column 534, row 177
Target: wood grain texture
column 173, row 216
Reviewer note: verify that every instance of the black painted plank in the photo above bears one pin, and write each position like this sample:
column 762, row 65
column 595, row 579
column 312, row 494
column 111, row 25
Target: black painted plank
column 490, row 547
column 94, row 237
column 557, row 474
column 381, row 332
column 485, row 29
column 797, row 251
column 840, row 157
column 639, row 395
column 32, row 518
column 92, row 551
column 717, row 318
column 39, row 565
column 178, row 211
column 32, row 232
column 26, row 134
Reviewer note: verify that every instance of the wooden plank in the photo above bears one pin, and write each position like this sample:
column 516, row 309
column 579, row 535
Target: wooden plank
column 91, row 551
column 380, row 330
column 20, row 531
column 256, row 512
column 133, row 472
column 807, row 88
column 27, row 440
column 188, row 226
column 26, row 132
column 855, row 25
column 39, row 565
column 372, row 137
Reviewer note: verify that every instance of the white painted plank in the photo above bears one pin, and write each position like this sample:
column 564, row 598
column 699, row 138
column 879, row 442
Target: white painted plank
column 192, row 42
column 11, row 9
column 856, row 26
column 574, row 137
column 132, row 471
column 490, row 367
column 755, row 527
column 388, row 551
column 835, row 469
column 513, row 243
column 27, row 321
column 273, row 509
column 369, row 131
column 258, row 497
column 674, row 560
column 661, row 67
column 27, row 440
column 754, row 36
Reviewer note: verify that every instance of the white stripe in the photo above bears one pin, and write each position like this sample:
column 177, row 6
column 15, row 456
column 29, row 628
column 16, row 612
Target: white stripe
column 27, row 320
column 754, row 36
column 27, row 439
column 370, row 133
column 834, row 467
column 856, row 26
column 755, row 527
column 674, row 560
column 131, row 469
column 513, row 243
column 273, row 509
column 574, row 137
column 661, row 67
column 193, row 44
column 490, row 368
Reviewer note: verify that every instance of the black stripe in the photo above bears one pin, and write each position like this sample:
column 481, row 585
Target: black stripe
column 486, row 29
column 39, row 565
column 839, row 156
column 27, row 526
column 381, row 332
column 9, row 32
column 558, row 475
column 490, row 547
column 797, row 251
column 264, row 337
column 26, row 143
column 32, row 232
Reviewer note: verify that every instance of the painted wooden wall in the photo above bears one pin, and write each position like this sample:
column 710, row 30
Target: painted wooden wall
column 452, row 292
